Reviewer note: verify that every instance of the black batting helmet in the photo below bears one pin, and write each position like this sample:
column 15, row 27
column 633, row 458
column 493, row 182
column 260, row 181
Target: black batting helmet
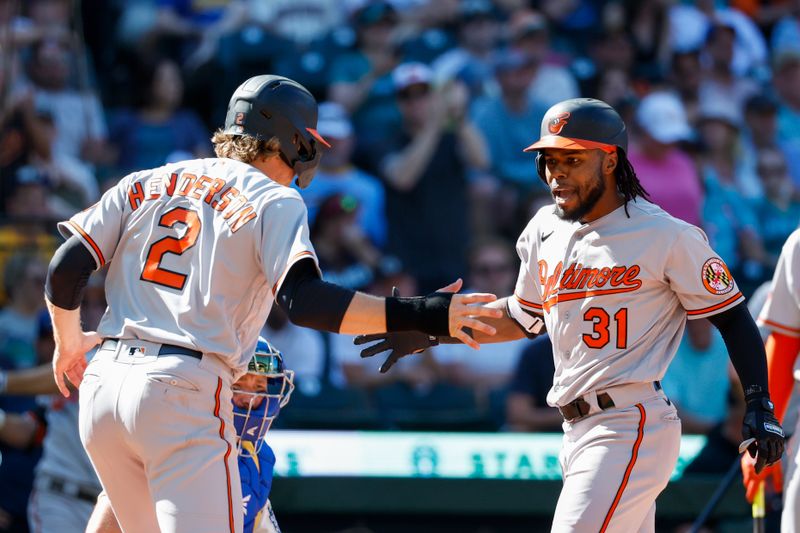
column 269, row 106
column 580, row 124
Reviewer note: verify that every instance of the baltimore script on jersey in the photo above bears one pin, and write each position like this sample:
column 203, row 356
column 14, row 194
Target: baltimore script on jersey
column 211, row 191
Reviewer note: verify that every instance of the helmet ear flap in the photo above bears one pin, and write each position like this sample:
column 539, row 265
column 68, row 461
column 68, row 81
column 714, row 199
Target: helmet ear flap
column 540, row 167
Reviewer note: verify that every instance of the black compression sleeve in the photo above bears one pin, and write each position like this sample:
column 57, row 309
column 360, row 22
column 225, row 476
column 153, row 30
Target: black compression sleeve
column 69, row 271
column 310, row 302
column 745, row 348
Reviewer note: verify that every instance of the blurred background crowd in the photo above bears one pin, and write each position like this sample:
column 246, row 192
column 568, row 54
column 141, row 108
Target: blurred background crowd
column 428, row 105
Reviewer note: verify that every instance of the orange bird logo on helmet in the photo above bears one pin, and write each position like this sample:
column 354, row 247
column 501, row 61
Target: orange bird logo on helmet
column 557, row 123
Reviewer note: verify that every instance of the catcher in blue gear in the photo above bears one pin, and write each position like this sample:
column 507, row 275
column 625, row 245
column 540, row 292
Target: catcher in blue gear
column 258, row 397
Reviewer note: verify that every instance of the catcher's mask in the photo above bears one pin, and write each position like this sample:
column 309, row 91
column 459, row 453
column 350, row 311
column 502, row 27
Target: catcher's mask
column 270, row 106
column 580, row 124
column 259, row 395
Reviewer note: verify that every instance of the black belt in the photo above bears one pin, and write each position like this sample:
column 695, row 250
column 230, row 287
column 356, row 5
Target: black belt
column 580, row 407
column 166, row 349
column 68, row 488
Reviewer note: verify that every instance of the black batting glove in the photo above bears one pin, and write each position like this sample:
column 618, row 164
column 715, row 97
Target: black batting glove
column 400, row 343
column 760, row 424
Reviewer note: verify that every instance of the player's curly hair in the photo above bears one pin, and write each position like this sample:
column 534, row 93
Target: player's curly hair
column 244, row 148
column 628, row 183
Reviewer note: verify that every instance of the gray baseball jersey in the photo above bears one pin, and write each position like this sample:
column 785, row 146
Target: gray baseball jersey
column 197, row 251
column 781, row 311
column 615, row 293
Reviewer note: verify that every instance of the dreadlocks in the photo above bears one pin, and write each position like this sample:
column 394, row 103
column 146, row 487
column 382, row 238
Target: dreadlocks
column 627, row 181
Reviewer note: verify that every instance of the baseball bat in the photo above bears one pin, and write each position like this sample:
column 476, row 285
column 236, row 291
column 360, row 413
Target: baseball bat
column 730, row 476
column 759, row 509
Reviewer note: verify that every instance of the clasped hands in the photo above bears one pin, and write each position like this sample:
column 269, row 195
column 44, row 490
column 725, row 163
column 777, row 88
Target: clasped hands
column 462, row 314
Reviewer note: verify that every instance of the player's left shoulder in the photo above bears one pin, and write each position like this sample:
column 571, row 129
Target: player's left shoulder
column 656, row 221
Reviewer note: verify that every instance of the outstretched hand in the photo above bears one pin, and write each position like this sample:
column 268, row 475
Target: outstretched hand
column 400, row 343
column 462, row 314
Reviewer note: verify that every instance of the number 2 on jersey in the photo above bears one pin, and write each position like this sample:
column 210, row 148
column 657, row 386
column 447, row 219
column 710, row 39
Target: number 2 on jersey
column 600, row 333
column 153, row 271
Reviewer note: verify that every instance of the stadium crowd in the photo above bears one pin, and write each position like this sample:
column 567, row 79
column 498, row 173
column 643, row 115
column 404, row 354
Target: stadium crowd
column 428, row 105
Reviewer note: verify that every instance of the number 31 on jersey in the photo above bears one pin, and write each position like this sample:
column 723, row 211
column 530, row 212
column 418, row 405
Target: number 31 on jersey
column 601, row 331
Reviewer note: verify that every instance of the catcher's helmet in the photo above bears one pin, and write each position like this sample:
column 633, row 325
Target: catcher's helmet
column 274, row 388
column 580, row 124
column 269, row 106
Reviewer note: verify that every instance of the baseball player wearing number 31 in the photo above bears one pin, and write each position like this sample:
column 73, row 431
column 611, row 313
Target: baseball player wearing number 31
column 198, row 251
column 613, row 279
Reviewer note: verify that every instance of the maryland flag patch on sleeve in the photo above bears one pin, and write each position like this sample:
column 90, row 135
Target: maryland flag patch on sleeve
column 716, row 277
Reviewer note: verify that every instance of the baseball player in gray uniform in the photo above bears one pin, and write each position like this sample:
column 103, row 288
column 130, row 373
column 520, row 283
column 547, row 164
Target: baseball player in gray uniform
column 65, row 485
column 613, row 278
column 198, row 251
column 781, row 316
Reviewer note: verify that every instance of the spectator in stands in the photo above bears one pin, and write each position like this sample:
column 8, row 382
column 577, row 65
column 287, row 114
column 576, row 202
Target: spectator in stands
column 648, row 24
column 345, row 253
column 147, row 135
column 25, row 133
column 778, row 212
column 492, row 268
column 720, row 82
column 786, row 67
column 78, row 115
column 694, row 381
column 685, row 75
column 40, row 19
column 761, row 131
column 28, row 136
column 550, row 81
column 615, row 86
column 572, row 22
column 608, row 50
column 690, row 23
column 720, row 123
column 23, row 279
column 667, row 173
column 506, row 120
column 526, row 403
column 728, row 217
column 338, row 175
column 26, row 228
column 361, row 80
column 190, row 27
column 471, row 61
column 425, row 165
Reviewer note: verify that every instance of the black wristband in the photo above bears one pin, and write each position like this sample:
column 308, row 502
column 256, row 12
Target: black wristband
column 754, row 392
column 429, row 314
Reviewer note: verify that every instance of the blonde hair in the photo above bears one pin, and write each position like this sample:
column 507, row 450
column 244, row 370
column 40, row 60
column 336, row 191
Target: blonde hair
column 244, row 148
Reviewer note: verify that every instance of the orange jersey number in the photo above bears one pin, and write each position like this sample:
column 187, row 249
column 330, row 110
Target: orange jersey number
column 153, row 271
column 601, row 325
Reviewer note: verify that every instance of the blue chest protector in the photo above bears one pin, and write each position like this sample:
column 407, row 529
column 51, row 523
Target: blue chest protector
column 255, row 471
